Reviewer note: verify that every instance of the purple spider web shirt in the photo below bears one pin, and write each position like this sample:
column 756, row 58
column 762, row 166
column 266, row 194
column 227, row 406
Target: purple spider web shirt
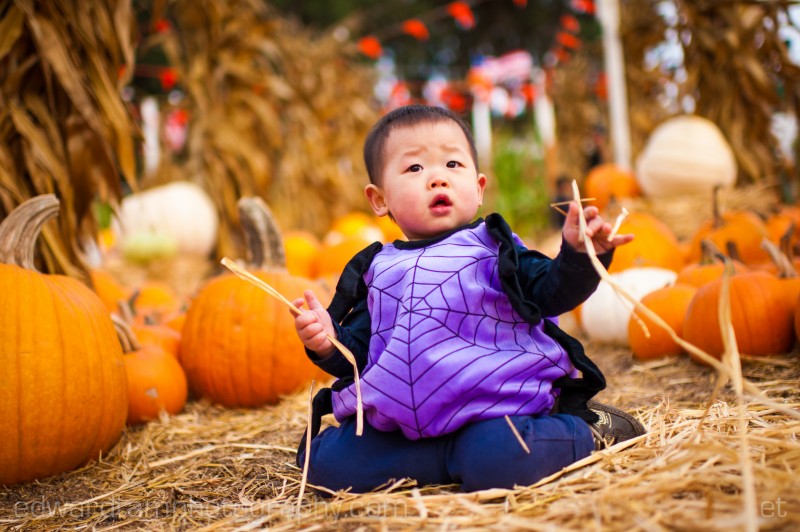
column 447, row 348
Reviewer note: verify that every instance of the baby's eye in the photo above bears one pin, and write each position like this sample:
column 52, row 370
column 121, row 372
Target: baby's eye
column 415, row 168
column 453, row 164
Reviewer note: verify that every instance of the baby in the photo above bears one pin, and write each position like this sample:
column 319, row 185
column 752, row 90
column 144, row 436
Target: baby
column 454, row 331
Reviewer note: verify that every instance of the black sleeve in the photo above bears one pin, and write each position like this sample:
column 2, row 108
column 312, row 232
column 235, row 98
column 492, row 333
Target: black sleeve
column 353, row 333
column 558, row 285
column 350, row 315
column 538, row 286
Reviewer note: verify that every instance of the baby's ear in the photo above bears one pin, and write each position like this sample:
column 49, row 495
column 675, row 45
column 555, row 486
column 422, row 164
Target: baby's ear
column 376, row 199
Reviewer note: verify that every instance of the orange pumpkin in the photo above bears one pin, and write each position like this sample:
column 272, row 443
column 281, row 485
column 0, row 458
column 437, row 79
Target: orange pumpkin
column 761, row 319
column 63, row 391
column 607, row 181
column 710, row 268
column 391, row 231
column 156, row 381
column 785, row 271
column 334, row 257
column 655, row 245
column 239, row 346
column 302, row 249
column 155, row 300
column 162, row 336
column 743, row 230
column 785, row 219
column 355, row 224
column 110, row 291
column 670, row 304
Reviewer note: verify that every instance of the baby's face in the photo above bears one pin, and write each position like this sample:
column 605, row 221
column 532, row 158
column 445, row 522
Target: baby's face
column 429, row 182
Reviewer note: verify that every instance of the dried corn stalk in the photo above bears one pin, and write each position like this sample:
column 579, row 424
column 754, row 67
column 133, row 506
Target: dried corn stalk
column 736, row 68
column 276, row 113
column 642, row 27
column 577, row 112
column 739, row 72
column 64, row 128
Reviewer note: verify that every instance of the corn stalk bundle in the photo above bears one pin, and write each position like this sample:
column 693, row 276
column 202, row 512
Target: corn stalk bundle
column 276, row 112
column 577, row 112
column 64, row 128
column 737, row 71
column 642, row 28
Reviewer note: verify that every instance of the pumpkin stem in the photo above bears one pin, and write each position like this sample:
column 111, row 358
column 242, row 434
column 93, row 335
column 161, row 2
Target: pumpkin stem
column 786, row 241
column 715, row 210
column 21, row 228
column 710, row 252
column 733, row 251
column 125, row 334
column 263, row 239
column 786, row 269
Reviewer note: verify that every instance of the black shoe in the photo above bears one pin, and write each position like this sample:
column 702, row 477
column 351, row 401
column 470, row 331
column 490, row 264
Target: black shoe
column 614, row 425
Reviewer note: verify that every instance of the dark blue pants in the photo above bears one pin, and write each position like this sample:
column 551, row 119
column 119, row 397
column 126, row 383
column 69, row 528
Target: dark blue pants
column 478, row 456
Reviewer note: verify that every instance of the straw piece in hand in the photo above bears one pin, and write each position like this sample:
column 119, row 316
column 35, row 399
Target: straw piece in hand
column 562, row 211
column 617, row 223
column 249, row 277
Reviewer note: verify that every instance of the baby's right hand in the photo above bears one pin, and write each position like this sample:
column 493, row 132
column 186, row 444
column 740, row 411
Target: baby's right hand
column 314, row 325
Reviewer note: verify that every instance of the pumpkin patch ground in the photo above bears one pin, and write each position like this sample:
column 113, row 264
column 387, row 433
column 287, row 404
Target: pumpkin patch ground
column 215, row 468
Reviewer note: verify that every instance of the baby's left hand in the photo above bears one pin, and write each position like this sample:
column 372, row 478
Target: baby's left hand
column 596, row 228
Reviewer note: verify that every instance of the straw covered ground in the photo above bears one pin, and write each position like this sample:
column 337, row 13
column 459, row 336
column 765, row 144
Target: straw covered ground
column 218, row 469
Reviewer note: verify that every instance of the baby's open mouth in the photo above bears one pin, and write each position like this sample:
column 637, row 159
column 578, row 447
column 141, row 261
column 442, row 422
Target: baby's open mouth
column 441, row 201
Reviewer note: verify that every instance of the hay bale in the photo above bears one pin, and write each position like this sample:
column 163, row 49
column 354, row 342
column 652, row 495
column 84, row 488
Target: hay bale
column 218, row 469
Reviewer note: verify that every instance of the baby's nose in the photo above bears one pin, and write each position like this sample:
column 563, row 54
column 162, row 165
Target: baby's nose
column 438, row 182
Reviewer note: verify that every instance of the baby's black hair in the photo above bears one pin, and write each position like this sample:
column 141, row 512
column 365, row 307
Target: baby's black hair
column 407, row 116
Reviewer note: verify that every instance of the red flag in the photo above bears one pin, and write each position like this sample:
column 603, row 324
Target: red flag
column 162, row 26
column 416, row 28
column 168, row 78
column 462, row 14
column 370, row 47
column 568, row 40
column 570, row 23
column 520, row 3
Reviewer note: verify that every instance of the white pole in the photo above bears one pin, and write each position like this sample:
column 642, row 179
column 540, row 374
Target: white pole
column 544, row 113
column 608, row 11
column 482, row 128
column 151, row 124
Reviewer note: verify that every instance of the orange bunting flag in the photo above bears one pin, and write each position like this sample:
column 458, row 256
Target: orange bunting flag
column 370, row 47
column 567, row 40
column 462, row 14
column 570, row 23
column 416, row 28
column 168, row 78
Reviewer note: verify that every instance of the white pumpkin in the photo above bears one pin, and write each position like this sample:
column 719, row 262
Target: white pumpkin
column 685, row 155
column 180, row 211
column 605, row 315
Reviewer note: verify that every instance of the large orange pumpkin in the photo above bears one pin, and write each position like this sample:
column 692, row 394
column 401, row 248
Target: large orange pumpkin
column 607, row 181
column 762, row 320
column 63, row 392
column 156, row 381
column 239, row 346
